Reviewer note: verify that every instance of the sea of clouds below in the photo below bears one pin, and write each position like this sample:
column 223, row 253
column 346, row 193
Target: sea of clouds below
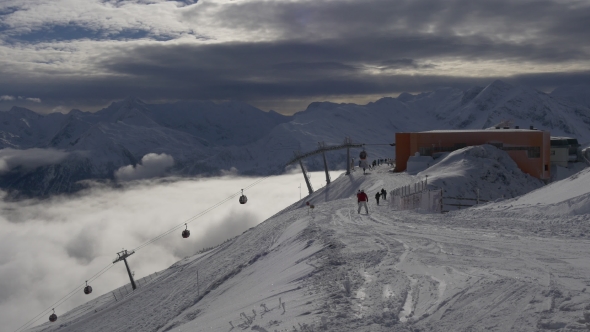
column 48, row 247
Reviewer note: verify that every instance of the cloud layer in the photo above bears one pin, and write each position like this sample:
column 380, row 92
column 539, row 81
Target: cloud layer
column 283, row 53
column 151, row 165
column 29, row 158
column 47, row 247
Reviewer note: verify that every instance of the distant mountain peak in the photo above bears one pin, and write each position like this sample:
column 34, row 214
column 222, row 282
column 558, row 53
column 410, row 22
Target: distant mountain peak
column 405, row 97
column 133, row 99
column 499, row 84
column 21, row 111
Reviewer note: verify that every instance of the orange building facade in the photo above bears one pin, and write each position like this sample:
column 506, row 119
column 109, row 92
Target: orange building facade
column 530, row 149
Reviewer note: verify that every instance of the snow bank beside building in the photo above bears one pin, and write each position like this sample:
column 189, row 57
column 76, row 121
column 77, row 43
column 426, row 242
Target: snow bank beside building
column 483, row 167
column 568, row 197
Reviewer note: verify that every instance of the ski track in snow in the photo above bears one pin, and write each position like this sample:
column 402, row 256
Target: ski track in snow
column 336, row 270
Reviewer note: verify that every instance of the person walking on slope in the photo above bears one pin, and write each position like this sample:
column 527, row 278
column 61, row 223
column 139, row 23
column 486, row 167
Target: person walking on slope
column 377, row 196
column 362, row 200
column 383, row 193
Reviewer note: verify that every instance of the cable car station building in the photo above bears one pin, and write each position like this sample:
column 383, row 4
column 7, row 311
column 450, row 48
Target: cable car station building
column 530, row 149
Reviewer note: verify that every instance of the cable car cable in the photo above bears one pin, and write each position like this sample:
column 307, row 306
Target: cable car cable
column 63, row 299
column 145, row 244
column 198, row 215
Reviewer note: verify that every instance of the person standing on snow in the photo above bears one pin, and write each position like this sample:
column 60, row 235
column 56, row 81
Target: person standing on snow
column 362, row 201
column 377, row 196
column 383, row 193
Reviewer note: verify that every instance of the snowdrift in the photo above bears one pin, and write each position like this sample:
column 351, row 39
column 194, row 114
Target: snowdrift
column 484, row 167
column 568, row 197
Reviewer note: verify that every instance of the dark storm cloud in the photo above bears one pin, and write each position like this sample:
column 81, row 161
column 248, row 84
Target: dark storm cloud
column 334, row 48
column 345, row 19
column 276, row 69
column 547, row 81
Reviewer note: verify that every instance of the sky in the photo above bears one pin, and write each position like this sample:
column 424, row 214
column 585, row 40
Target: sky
column 49, row 246
column 56, row 55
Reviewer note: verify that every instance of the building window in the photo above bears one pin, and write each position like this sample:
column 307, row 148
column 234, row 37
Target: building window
column 546, row 167
column 534, row 152
column 499, row 145
column 425, row 151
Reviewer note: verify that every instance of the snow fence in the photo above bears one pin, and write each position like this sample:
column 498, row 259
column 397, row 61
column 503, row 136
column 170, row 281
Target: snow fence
column 427, row 200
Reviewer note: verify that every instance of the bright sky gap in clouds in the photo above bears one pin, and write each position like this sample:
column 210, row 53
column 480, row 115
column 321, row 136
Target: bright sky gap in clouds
column 281, row 55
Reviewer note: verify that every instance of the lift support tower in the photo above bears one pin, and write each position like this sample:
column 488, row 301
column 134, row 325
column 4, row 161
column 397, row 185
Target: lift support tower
column 122, row 256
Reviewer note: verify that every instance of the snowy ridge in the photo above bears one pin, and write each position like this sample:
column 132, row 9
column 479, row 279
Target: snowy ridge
column 336, row 270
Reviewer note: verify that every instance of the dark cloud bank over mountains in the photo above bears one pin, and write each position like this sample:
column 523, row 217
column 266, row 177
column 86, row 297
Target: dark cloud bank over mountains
column 282, row 55
column 130, row 140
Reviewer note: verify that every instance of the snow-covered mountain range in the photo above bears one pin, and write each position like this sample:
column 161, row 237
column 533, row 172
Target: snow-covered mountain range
column 205, row 137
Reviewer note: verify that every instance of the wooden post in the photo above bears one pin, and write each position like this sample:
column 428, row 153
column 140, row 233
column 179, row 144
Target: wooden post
column 115, row 297
column 322, row 145
column 348, row 161
column 348, row 141
column 477, row 201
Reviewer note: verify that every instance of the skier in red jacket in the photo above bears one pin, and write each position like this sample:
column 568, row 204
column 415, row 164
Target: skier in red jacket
column 362, row 201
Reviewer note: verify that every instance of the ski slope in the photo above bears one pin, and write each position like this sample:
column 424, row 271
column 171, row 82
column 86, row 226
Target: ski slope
column 337, row 270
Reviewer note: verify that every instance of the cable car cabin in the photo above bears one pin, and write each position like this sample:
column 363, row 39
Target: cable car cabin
column 243, row 198
column 87, row 290
column 53, row 317
column 363, row 155
column 186, row 233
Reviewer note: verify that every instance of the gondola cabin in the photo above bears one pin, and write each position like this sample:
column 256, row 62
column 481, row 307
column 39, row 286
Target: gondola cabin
column 243, row 198
column 186, row 233
column 87, row 289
